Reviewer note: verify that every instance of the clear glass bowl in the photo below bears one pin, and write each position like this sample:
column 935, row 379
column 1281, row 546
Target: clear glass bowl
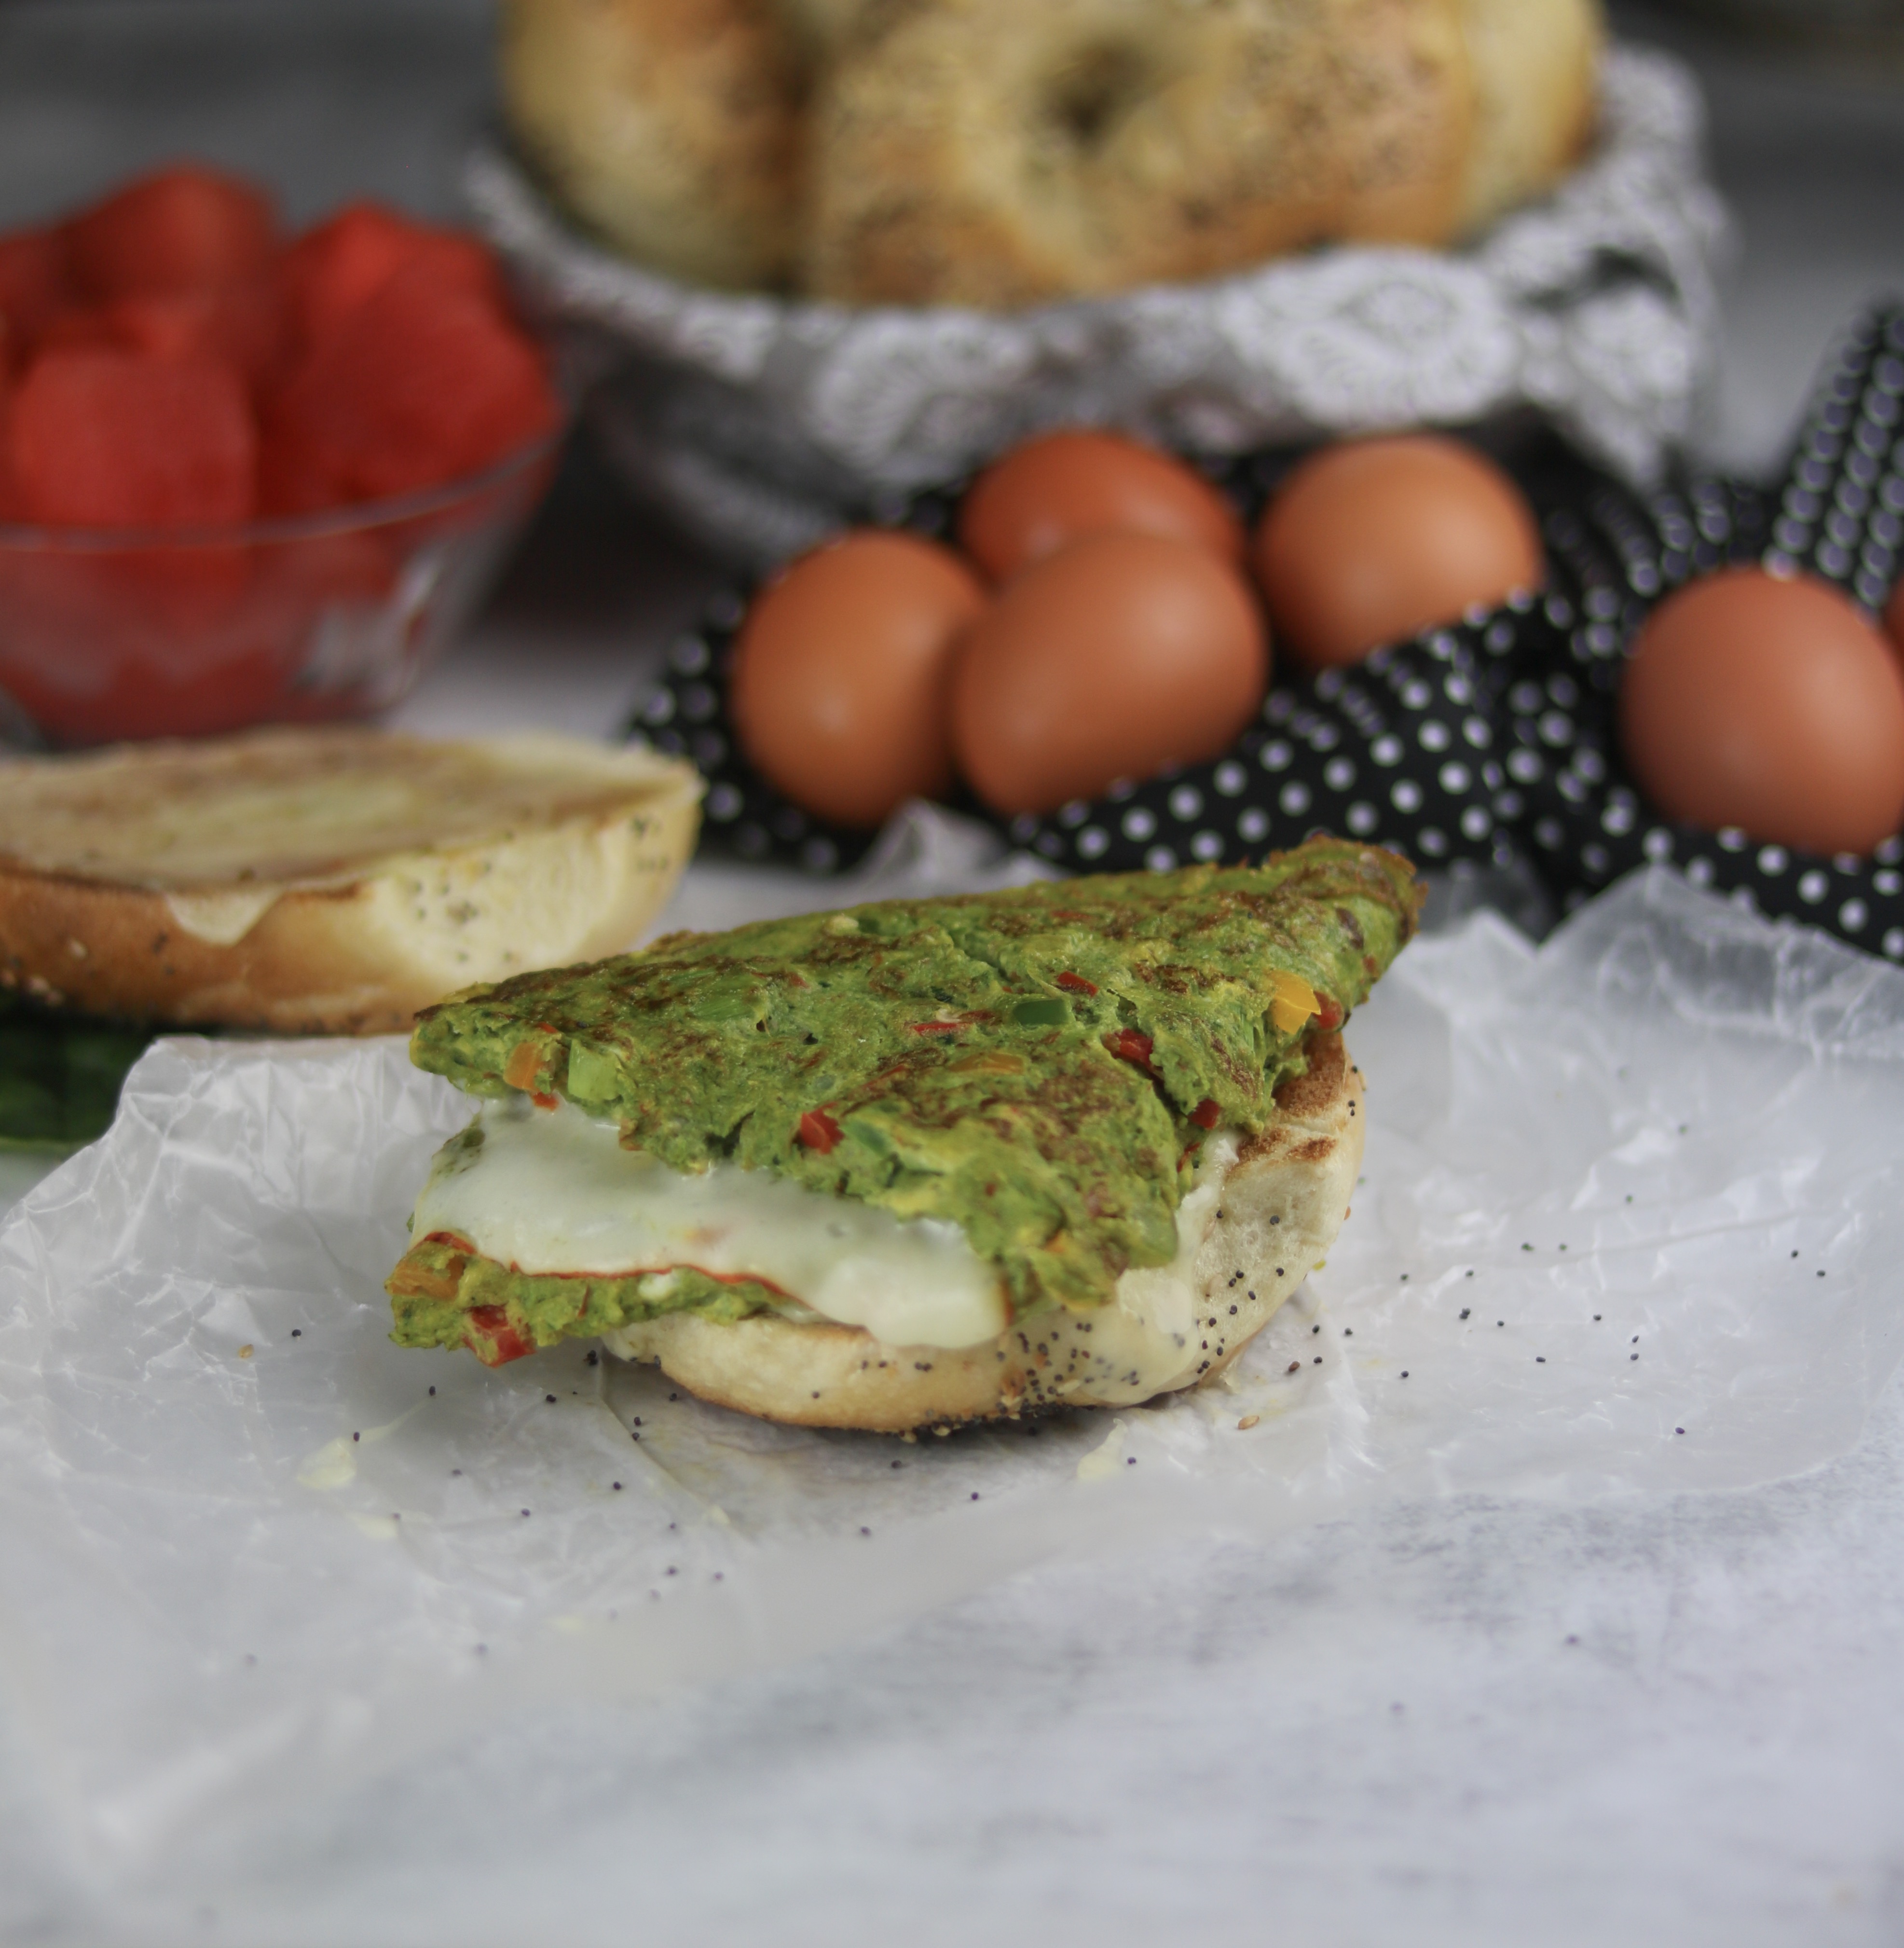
column 114, row 633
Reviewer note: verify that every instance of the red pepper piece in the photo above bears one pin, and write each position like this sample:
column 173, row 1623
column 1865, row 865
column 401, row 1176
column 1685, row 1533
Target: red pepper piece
column 1328, row 1014
column 543, row 1102
column 934, row 1028
column 1128, row 1045
column 1206, row 1114
column 818, row 1131
column 1077, row 984
column 492, row 1338
column 524, row 1065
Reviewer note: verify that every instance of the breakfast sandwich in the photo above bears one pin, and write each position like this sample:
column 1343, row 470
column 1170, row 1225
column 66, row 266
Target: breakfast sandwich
column 922, row 1162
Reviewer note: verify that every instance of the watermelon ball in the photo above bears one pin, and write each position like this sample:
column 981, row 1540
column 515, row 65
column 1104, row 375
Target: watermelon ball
column 338, row 265
column 242, row 325
column 108, row 438
column 182, row 229
column 424, row 383
column 33, row 289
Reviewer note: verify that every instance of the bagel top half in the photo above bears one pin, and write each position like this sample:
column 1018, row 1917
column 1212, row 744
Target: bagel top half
column 922, row 1162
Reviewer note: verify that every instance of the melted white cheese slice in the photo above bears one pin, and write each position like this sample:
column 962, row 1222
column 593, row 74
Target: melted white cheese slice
column 553, row 1191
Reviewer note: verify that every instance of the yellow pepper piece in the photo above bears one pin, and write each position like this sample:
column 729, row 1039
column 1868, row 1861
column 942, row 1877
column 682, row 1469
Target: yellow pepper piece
column 1291, row 1001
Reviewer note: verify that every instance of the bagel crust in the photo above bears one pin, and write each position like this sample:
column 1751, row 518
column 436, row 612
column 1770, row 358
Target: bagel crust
column 326, row 880
column 670, row 126
column 1534, row 63
column 995, row 154
column 1278, row 1208
column 984, row 153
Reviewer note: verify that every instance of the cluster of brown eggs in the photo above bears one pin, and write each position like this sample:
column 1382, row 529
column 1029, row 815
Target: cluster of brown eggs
column 1105, row 617
column 1098, row 620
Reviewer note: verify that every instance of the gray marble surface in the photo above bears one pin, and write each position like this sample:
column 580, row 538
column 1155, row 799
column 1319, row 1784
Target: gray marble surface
column 1660, row 1720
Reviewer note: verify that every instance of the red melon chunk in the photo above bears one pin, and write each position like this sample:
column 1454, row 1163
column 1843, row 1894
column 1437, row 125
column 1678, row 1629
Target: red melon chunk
column 33, row 287
column 12, row 508
column 340, row 264
column 182, row 229
column 422, row 384
column 242, row 326
column 81, row 328
column 109, row 439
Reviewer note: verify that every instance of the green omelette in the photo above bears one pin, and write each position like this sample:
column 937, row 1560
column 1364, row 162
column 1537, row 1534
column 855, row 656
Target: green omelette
column 1033, row 1081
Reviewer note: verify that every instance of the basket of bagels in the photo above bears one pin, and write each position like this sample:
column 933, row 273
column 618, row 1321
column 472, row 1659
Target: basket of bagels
column 820, row 253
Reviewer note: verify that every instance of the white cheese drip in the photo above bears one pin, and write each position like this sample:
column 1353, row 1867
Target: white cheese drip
column 553, row 1191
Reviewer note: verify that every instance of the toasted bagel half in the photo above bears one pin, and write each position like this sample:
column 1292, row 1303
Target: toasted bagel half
column 326, row 880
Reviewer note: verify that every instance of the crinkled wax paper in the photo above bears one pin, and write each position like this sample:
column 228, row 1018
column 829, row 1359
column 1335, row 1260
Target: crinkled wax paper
column 1630, row 1219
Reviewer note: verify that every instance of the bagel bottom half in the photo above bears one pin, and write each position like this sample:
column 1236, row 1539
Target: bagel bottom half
column 1265, row 1219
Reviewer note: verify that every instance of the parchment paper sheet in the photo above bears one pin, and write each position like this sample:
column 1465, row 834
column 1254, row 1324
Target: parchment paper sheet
column 1642, row 1180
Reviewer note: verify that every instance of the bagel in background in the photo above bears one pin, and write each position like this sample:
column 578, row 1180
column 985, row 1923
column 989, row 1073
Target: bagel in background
column 987, row 154
column 330, row 880
column 984, row 153
column 670, row 127
column 1533, row 64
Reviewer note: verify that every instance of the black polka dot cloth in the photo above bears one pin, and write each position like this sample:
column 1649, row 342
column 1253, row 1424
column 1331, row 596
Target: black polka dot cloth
column 1839, row 515
column 1492, row 740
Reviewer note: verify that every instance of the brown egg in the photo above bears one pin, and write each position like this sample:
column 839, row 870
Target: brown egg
column 842, row 669
column 1770, row 705
column 1062, row 486
column 1122, row 655
column 1371, row 540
